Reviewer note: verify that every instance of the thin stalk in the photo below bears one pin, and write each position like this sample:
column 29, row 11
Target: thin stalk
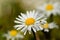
column 35, row 35
column 51, row 18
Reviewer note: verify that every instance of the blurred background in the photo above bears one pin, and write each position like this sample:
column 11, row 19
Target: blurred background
column 10, row 9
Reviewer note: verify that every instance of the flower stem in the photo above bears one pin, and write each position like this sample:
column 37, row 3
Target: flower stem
column 51, row 17
column 35, row 35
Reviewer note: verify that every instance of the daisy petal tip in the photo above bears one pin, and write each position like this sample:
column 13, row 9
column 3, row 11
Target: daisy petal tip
column 46, row 30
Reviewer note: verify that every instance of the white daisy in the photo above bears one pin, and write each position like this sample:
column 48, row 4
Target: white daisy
column 13, row 34
column 28, row 21
column 47, row 26
column 50, row 8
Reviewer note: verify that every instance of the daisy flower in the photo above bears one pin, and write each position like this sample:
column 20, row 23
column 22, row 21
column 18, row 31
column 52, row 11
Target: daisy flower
column 13, row 34
column 50, row 8
column 28, row 21
column 46, row 26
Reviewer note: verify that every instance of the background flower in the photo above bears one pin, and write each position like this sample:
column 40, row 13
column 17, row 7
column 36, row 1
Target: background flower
column 49, row 8
column 13, row 34
column 46, row 26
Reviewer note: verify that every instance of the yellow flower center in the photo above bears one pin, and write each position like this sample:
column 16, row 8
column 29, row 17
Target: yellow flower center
column 45, row 25
column 13, row 32
column 49, row 7
column 29, row 21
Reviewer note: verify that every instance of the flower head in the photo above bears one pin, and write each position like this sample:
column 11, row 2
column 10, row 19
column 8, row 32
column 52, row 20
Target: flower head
column 13, row 34
column 50, row 8
column 46, row 26
column 28, row 21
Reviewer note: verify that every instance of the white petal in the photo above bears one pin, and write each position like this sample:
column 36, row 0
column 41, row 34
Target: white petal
column 41, row 28
column 17, row 21
column 37, row 27
column 24, row 16
column 25, row 32
column 25, row 28
column 44, row 19
column 43, row 22
column 40, row 17
column 55, row 4
column 5, row 35
column 31, row 14
column 28, row 14
column 8, row 37
column 19, row 36
column 46, row 30
column 53, row 25
column 37, row 22
column 20, row 28
column 29, row 32
column 29, row 29
column 34, row 29
column 21, row 18
column 48, row 13
column 35, row 15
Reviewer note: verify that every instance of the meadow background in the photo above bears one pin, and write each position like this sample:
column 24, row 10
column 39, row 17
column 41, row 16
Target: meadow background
column 10, row 9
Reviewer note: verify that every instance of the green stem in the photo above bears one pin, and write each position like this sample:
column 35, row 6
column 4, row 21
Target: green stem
column 35, row 35
column 51, row 18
